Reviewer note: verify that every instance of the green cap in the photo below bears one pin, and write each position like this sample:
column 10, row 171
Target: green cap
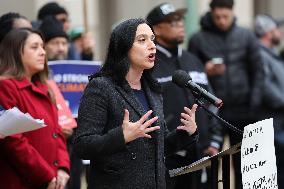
column 76, row 32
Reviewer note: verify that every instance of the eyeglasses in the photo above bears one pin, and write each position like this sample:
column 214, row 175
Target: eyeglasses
column 175, row 20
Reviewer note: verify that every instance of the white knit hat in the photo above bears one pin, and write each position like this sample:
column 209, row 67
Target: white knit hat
column 263, row 24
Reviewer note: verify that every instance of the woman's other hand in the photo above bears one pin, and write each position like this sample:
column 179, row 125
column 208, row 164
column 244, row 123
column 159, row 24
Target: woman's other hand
column 61, row 179
column 52, row 184
column 140, row 128
column 188, row 120
column 67, row 132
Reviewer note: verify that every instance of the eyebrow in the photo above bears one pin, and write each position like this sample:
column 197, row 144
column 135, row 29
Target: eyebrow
column 37, row 43
column 144, row 35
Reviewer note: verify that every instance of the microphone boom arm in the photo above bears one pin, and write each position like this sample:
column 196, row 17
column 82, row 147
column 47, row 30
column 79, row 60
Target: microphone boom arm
column 227, row 124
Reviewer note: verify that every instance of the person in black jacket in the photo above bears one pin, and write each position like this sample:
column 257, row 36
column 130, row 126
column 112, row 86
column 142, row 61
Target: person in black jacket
column 121, row 126
column 237, row 75
column 167, row 23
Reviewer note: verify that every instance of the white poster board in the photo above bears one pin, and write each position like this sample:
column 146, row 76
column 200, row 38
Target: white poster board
column 258, row 161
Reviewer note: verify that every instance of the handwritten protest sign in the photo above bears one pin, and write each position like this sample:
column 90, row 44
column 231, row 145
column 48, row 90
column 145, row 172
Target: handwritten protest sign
column 258, row 161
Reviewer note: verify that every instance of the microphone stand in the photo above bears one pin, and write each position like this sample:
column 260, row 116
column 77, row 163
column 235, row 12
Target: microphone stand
column 225, row 158
column 227, row 124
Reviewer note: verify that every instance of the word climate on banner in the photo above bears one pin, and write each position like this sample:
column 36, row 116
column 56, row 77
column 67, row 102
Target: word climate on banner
column 258, row 161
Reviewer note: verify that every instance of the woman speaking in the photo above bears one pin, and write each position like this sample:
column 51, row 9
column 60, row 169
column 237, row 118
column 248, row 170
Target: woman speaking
column 121, row 126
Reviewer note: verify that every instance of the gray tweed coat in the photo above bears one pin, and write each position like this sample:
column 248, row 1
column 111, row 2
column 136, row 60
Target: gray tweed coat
column 99, row 137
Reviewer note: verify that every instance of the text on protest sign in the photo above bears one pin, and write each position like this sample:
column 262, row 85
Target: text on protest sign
column 258, row 161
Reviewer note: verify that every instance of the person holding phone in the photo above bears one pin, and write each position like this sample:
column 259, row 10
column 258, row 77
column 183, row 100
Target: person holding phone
column 238, row 80
column 215, row 67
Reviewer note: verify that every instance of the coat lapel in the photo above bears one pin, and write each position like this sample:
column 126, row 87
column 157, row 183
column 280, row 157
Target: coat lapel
column 131, row 100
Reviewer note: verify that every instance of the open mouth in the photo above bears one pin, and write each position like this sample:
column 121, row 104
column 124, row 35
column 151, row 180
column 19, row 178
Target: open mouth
column 152, row 57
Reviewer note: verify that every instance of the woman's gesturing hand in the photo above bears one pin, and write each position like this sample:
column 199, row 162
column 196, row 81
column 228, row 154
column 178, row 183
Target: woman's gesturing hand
column 140, row 128
column 188, row 120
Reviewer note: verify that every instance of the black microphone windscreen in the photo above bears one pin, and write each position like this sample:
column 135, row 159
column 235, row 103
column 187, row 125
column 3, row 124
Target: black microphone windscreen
column 181, row 78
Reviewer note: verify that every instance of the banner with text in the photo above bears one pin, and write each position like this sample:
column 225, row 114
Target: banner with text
column 71, row 77
column 65, row 117
column 258, row 161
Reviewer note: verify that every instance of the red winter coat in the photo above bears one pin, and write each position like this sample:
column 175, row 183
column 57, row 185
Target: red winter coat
column 31, row 159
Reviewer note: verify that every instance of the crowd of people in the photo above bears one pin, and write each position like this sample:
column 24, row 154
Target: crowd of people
column 134, row 124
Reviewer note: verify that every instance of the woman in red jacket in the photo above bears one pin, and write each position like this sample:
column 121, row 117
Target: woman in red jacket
column 35, row 159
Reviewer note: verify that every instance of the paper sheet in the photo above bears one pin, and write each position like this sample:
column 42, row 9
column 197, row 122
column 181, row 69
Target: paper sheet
column 13, row 121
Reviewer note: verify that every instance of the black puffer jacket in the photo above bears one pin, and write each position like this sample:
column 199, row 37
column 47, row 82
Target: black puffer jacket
column 239, row 87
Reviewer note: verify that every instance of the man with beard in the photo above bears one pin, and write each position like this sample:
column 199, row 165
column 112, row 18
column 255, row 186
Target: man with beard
column 168, row 26
column 237, row 76
column 56, row 40
column 82, row 51
column 268, row 33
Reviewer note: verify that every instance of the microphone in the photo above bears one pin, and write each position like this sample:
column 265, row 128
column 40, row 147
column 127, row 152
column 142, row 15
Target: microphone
column 182, row 79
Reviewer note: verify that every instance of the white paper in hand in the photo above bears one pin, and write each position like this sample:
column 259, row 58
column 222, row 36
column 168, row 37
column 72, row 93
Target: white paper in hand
column 13, row 121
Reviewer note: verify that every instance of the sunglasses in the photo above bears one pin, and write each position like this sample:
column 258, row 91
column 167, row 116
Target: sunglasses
column 174, row 20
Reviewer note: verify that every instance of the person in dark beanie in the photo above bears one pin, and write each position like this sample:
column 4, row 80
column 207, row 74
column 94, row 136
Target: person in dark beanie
column 121, row 126
column 167, row 23
column 54, row 9
column 237, row 76
column 12, row 20
column 60, row 13
column 56, row 46
column 56, row 40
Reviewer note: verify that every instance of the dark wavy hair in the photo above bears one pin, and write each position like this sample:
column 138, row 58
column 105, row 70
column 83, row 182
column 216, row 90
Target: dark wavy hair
column 7, row 22
column 117, row 63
